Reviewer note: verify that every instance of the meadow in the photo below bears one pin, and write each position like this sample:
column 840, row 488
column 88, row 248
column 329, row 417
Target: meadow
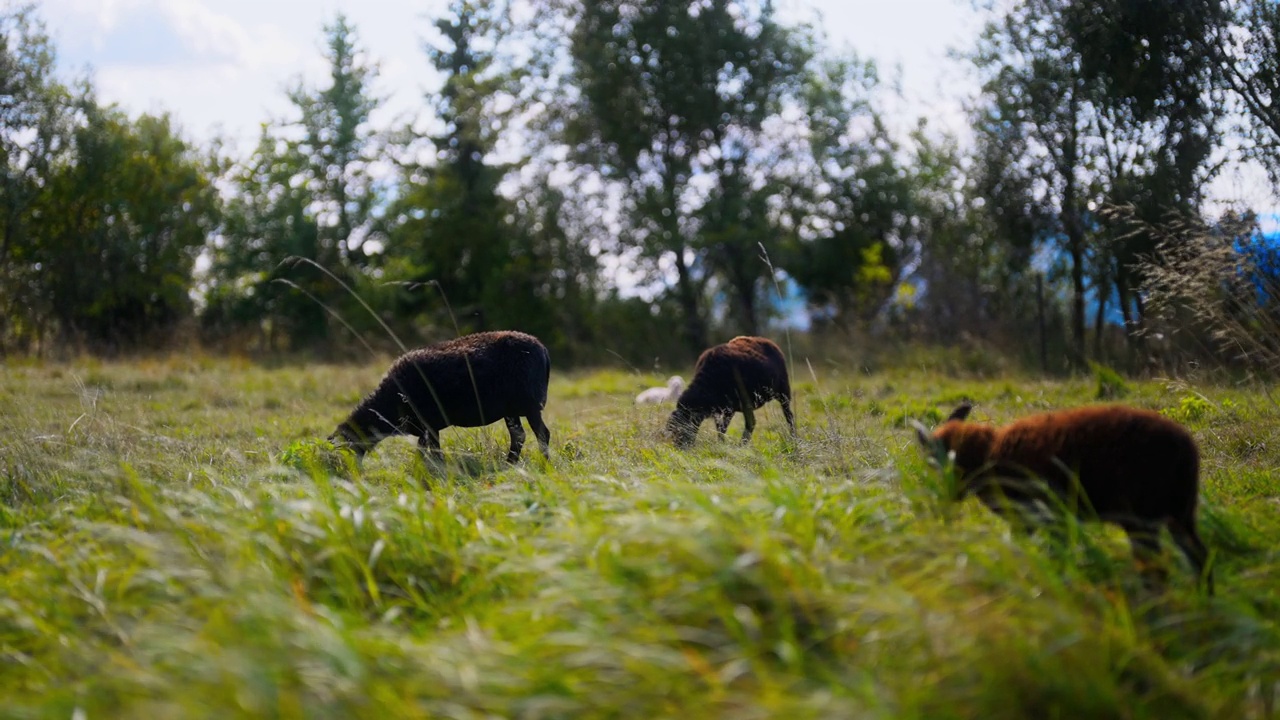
column 174, row 545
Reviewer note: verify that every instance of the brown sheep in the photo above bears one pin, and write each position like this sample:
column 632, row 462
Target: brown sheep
column 738, row 376
column 1135, row 468
column 470, row 381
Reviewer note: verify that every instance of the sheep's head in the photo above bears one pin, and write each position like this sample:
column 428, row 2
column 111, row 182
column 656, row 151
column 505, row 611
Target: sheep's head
column 966, row 444
column 683, row 426
column 358, row 440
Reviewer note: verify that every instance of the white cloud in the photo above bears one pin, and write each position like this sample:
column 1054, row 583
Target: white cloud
column 161, row 33
column 226, row 63
column 207, row 68
column 221, row 62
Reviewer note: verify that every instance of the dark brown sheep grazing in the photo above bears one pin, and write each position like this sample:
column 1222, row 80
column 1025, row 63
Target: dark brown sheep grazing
column 1135, row 468
column 738, row 376
column 471, row 381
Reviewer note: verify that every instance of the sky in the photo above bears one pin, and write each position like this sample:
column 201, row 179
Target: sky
column 222, row 66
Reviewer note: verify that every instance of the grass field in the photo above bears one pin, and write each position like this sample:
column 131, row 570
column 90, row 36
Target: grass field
column 170, row 551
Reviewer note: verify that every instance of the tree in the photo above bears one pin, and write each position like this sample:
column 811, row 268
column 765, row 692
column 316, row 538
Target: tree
column 962, row 271
column 671, row 95
column 451, row 230
column 735, row 229
column 1037, row 92
column 268, row 219
column 34, row 137
column 137, row 206
column 84, row 186
column 1243, row 39
column 339, row 143
column 850, row 207
column 1157, row 121
column 554, row 274
column 305, row 192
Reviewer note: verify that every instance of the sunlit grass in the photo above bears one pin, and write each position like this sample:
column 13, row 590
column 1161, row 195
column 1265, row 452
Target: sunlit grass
column 173, row 547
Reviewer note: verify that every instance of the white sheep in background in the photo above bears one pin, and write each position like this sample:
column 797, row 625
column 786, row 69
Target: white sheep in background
column 675, row 385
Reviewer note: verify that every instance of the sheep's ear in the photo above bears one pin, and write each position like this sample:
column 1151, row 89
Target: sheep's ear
column 961, row 412
column 923, row 435
column 935, row 450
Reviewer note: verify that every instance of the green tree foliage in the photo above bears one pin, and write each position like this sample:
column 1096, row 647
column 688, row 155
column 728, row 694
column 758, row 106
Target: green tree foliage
column 472, row 243
column 1157, row 116
column 700, row 152
column 268, row 219
column 673, row 95
column 963, row 266
column 552, row 281
column 851, row 205
column 1086, row 106
column 1038, row 97
column 1245, row 46
column 339, row 144
column 87, row 190
column 452, row 235
column 136, row 207
column 735, row 231
column 305, row 193
column 34, row 131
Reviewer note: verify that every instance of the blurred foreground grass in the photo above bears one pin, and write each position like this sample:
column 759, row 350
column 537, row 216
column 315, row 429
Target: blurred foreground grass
column 159, row 559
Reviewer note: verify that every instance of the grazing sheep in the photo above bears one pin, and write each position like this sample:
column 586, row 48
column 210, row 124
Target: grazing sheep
column 471, row 381
column 659, row 395
column 738, row 376
column 1134, row 468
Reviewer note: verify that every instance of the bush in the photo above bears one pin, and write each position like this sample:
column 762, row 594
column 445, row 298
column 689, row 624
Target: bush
column 1110, row 385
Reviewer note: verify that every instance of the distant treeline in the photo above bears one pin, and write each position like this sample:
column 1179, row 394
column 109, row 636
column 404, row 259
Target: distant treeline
column 637, row 179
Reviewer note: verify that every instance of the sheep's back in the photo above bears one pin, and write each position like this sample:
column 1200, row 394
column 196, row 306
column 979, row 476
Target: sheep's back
column 1127, row 460
column 756, row 363
column 474, row 380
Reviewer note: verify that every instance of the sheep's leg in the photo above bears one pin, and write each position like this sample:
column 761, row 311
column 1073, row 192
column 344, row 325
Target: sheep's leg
column 542, row 432
column 785, row 401
column 517, row 438
column 722, row 421
column 429, row 445
column 1144, row 538
column 1024, row 518
column 1184, row 534
column 749, row 420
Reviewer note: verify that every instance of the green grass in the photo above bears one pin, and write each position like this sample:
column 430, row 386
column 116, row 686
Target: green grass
column 173, row 544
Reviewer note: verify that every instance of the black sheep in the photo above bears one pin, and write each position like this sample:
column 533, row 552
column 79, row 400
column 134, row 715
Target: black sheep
column 738, row 376
column 471, row 381
column 1133, row 467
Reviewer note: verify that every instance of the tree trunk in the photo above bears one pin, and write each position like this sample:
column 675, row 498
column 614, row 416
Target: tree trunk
column 694, row 332
column 1122, row 294
column 1140, row 317
column 735, row 261
column 1040, row 324
column 747, row 306
column 1075, row 247
column 1073, row 227
column 1140, row 314
column 1100, row 318
column 1131, row 334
